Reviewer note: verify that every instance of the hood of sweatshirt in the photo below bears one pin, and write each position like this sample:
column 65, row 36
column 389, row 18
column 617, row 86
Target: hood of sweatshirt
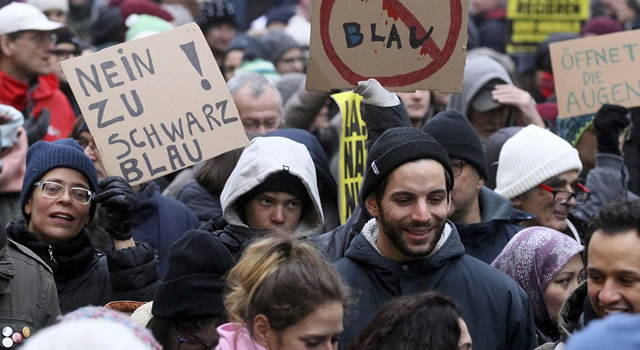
column 266, row 156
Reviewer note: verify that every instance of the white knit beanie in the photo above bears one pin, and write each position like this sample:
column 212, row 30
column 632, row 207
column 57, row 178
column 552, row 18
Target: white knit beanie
column 530, row 157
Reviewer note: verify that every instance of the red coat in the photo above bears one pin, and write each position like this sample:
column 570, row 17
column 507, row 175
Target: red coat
column 46, row 94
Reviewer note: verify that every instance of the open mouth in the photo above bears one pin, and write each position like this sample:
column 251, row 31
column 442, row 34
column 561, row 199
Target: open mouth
column 616, row 310
column 62, row 216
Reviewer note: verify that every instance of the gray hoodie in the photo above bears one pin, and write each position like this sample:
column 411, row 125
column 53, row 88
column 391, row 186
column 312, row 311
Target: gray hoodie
column 478, row 71
column 263, row 157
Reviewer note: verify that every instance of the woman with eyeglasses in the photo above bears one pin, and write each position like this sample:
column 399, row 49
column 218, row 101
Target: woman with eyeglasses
column 425, row 321
column 58, row 199
column 283, row 296
column 538, row 171
column 547, row 264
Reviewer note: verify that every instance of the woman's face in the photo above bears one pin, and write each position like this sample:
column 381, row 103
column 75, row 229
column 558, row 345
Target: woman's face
column 58, row 219
column 319, row 330
column 562, row 285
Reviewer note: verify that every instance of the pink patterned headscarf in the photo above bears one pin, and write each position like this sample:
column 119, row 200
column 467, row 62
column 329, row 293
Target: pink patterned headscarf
column 532, row 258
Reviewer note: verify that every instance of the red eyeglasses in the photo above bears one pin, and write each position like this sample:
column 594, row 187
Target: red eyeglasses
column 581, row 194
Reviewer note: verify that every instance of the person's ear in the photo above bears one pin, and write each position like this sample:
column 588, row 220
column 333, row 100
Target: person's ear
column 262, row 330
column 372, row 205
column 27, row 206
column 517, row 202
column 5, row 45
column 480, row 183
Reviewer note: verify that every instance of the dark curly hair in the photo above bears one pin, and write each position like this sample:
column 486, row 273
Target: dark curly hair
column 426, row 321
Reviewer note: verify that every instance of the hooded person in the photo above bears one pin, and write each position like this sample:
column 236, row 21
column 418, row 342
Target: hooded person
column 490, row 100
column 486, row 221
column 326, row 184
column 273, row 187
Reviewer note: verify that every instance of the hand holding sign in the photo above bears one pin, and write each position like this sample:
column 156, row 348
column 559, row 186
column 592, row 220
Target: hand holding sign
column 156, row 105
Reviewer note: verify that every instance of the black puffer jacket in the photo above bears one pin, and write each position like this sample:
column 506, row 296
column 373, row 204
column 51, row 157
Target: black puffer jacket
column 86, row 277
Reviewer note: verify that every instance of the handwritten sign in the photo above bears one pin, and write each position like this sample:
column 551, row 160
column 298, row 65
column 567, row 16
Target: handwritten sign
column 593, row 71
column 532, row 21
column 156, row 105
column 404, row 44
column 353, row 153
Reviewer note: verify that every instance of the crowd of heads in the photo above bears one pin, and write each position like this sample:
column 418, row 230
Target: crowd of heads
column 481, row 217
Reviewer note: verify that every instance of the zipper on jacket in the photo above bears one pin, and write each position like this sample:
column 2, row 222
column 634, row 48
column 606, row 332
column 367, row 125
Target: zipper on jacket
column 51, row 253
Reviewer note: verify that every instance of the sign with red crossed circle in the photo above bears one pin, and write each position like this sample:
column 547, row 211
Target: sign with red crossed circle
column 404, row 44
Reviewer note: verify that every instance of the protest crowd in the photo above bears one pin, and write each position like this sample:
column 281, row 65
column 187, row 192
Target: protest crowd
column 502, row 216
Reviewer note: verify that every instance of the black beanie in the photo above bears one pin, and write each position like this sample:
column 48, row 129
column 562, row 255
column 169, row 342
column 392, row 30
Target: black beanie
column 194, row 284
column 282, row 181
column 45, row 156
column 454, row 132
column 396, row 147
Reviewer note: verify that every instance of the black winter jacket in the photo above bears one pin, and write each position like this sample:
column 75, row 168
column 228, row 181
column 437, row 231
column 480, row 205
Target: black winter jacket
column 495, row 308
column 500, row 222
column 86, row 277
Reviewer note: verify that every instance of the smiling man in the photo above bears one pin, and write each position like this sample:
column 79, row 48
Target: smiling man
column 410, row 246
column 613, row 269
column 27, row 81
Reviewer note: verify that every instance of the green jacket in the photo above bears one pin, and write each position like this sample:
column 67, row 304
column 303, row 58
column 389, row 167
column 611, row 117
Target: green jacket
column 28, row 295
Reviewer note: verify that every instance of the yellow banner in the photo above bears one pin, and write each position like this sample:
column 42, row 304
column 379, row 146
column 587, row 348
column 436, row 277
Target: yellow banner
column 353, row 154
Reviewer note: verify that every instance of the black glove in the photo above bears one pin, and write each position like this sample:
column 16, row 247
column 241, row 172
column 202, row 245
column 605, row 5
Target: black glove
column 609, row 122
column 119, row 201
column 37, row 129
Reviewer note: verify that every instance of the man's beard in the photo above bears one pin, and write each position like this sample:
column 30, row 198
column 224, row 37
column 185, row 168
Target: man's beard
column 395, row 235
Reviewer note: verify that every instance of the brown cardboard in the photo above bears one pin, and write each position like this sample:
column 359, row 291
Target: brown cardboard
column 592, row 71
column 387, row 53
column 180, row 111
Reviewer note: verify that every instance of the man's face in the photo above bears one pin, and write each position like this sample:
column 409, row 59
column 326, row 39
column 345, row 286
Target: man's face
column 86, row 141
column 28, row 54
column 613, row 272
column 540, row 203
column 291, row 61
column 412, row 211
column 56, row 15
column 261, row 114
column 417, row 104
column 219, row 36
column 465, row 191
column 487, row 123
column 274, row 211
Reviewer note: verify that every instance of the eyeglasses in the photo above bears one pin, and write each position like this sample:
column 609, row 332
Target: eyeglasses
column 581, row 194
column 64, row 54
column 40, row 37
column 457, row 165
column 190, row 344
column 78, row 195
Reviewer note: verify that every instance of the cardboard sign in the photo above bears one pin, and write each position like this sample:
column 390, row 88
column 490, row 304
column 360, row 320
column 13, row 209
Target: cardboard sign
column 156, row 105
column 593, row 71
column 404, row 44
column 353, row 153
column 532, row 21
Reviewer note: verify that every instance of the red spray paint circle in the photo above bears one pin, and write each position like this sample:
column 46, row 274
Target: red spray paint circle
column 397, row 10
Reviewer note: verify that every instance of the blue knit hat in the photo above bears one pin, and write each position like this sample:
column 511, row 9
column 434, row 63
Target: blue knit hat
column 45, row 156
column 572, row 129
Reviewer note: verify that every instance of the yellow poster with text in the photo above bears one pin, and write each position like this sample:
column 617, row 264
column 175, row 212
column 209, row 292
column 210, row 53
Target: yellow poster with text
column 353, row 154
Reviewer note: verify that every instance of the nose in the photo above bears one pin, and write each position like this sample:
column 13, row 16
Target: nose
column 609, row 294
column 65, row 197
column 421, row 212
column 299, row 66
column 277, row 215
column 261, row 130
